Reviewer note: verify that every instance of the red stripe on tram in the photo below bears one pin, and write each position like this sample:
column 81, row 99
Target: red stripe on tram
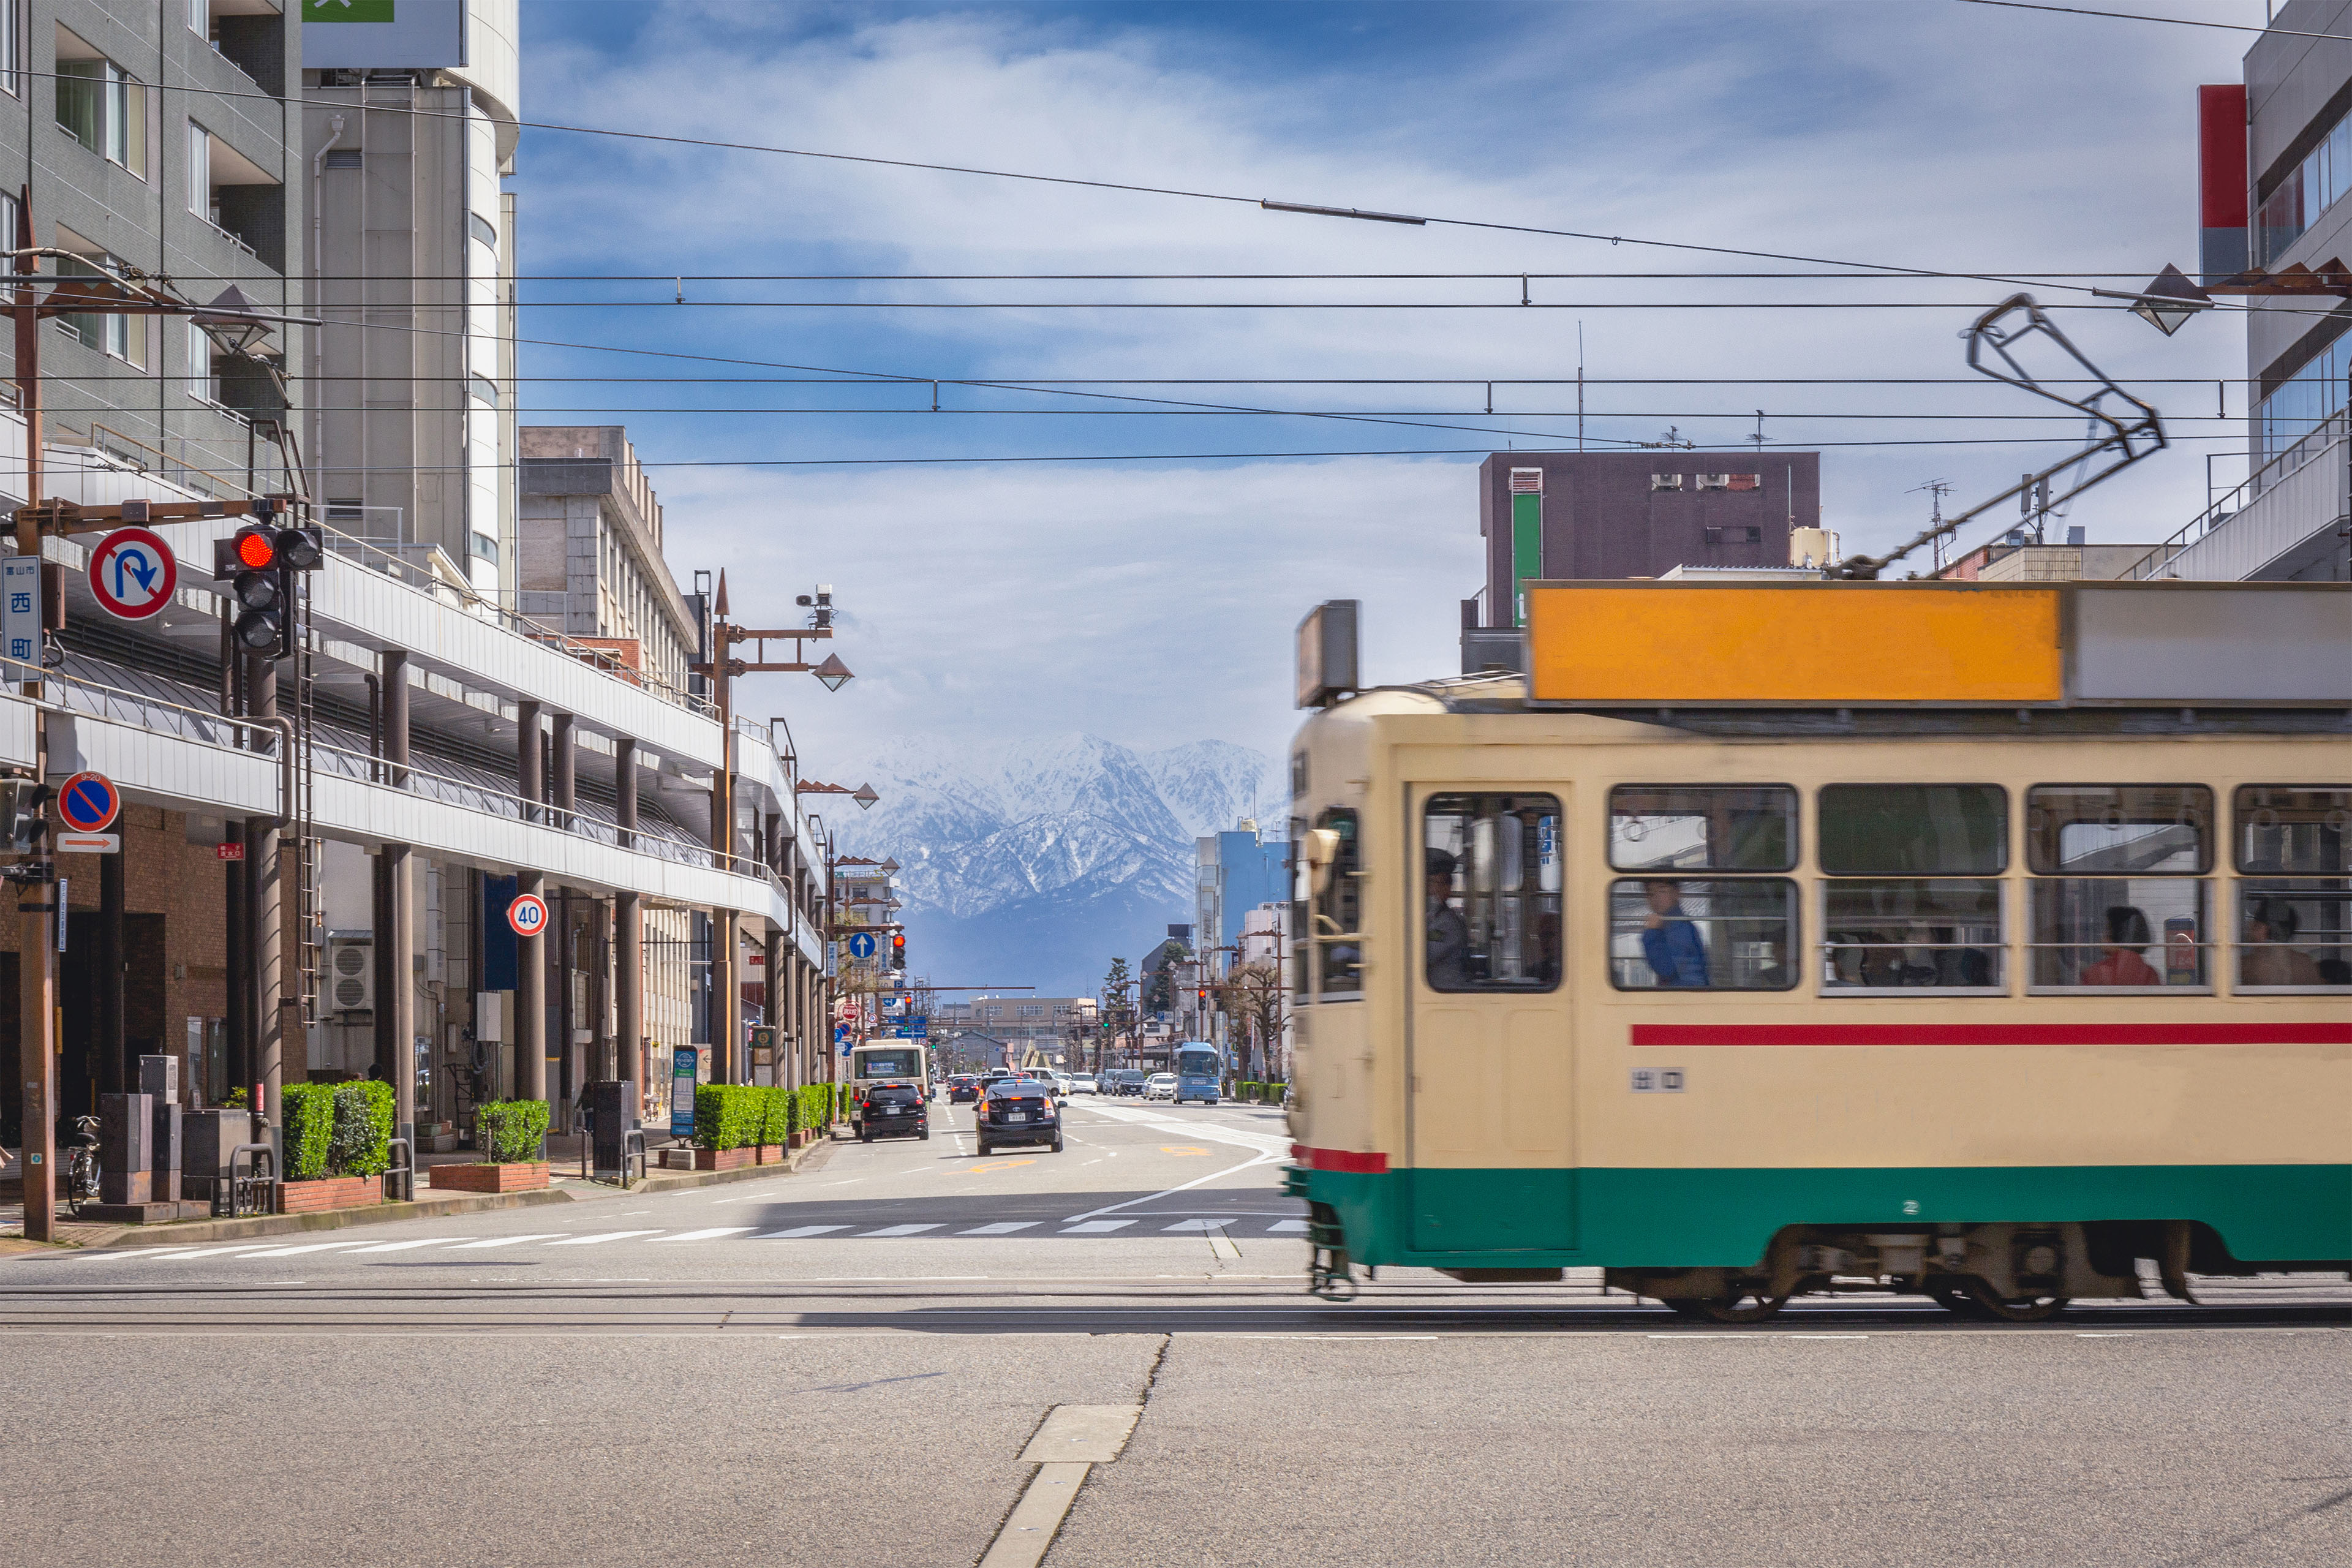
column 1339, row 1160
column 2279, row 1034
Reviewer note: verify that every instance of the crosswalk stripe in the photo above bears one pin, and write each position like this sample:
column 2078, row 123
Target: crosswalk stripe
column 1098, row 1226
column 705, row 1234
column 1002, row 1227
column 799, row 1231
column 129, row 1252
column 505, row 1241
column 292, row 1251
column 899, row 1230
column 219, row 1251
column 1287, row 1226
column 607, row 1235
column 404, row 1246
column 1197, row 1224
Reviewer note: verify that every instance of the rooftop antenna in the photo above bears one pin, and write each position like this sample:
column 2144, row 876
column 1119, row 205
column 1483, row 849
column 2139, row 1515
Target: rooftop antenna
column 1759, row 436
column 1579, row 386
column 1936, row 490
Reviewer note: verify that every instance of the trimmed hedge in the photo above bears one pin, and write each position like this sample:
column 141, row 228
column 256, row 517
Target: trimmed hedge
column 508, row 1131
column 730, row 1115
column 1264, row 1093
column 310, row 1128
column 360, row 1143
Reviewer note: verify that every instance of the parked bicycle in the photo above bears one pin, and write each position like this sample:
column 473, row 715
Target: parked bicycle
column 81, row 1166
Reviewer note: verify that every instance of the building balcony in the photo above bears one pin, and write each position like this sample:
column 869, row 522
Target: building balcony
column 2286, row 523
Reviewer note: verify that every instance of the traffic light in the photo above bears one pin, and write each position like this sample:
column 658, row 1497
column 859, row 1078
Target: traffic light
column 898, row 949
column 260, row 562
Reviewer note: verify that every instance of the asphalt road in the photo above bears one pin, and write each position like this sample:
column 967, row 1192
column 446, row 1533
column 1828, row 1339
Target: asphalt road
column 846, row 1366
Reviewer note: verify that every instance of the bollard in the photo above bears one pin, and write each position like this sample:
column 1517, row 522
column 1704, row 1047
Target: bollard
column 126, row 1131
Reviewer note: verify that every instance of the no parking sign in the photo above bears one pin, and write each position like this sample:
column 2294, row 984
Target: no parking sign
column 528, row 915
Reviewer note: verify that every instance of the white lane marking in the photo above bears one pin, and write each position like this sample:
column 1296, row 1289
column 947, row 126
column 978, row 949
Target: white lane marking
column 1002, row 1227
column 404, row 1246
column 705, row 1234
column 1170, row 1191
column 800, row 1230
column 1287, row 1226
column 291, row 1251
column 607, row 1235
column 507, row 1240
column 1196, row 1225
column 898, row 1230
column 1098, row 1227
column 132, row 1252
column 218, row 1251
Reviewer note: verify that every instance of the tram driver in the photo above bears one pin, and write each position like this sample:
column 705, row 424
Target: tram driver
column 1670, row 945
column 1449, row 933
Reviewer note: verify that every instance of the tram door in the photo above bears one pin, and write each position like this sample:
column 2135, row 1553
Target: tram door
column 1492, row 1118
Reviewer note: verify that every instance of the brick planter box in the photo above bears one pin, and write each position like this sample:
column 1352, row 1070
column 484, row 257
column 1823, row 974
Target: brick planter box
column 522, row 1176
column 725, row 1159
column 328, row 1192
column 771, row 1153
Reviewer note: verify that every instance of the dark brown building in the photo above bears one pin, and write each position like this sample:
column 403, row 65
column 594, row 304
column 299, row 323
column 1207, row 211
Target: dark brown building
column 1638, row 514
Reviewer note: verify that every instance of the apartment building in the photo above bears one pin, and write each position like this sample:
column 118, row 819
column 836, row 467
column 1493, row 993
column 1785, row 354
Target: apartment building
column 408, row 132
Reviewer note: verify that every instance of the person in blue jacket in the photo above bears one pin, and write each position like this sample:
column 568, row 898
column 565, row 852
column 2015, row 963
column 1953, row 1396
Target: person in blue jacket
column 1670, row 943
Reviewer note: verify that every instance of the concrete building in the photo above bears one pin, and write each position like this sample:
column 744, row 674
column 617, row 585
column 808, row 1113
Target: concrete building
column 408, row 132
column 2276, row 152
column 1044, row 1022
column 1634, row 514
column 1234, row 872
column 589, row 551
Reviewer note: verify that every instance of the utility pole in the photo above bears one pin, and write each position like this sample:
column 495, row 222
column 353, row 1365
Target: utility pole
column 36, row 963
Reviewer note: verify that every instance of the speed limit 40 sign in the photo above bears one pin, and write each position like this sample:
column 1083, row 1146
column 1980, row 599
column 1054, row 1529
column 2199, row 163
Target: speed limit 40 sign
column 528, row 915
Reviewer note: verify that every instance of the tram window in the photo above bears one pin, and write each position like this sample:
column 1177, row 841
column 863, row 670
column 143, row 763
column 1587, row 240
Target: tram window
column 1302, row 892
column 2119, row 829
column 1728, row 934
column 1337, row 910
column 2287, row 830
column 2111, row 932
column 1491, row 892
column 1941, row 933
column 2295, row 934
column 1913, row 830
column 1703, row 827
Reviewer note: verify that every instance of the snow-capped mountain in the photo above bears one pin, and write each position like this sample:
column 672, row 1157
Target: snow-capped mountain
column 1039, row 863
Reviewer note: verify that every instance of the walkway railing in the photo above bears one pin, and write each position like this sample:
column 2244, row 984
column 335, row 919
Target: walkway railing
column 2325, row 443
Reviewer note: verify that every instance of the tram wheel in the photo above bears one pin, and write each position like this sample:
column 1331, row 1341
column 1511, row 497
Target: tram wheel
column 1746, row 1308
column 2017, row 1309
column 1955, row 1297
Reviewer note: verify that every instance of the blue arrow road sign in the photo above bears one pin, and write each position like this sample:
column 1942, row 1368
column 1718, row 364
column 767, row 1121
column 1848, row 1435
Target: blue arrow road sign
column 862, row 945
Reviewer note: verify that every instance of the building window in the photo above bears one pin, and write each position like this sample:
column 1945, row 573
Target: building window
column 12, row 16
column 200, row 173
column 481, row 228
column 124, row 337
column 204, row 381
column 2309, row 189
column 1492, row 881
column 103, row 108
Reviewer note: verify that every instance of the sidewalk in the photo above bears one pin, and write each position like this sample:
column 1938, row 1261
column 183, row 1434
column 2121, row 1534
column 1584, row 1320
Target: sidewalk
column 563, row 1188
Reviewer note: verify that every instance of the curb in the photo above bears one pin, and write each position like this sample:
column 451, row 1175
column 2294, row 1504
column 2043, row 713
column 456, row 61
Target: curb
column 182, row 1232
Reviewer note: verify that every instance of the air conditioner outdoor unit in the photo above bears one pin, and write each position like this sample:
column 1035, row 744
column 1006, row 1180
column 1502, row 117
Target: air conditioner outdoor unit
column 350, row 974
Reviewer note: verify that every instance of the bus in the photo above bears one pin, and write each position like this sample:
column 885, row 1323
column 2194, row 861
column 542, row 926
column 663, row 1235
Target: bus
column 879, row 1062
column 1981, row 941
column 1200, row 1067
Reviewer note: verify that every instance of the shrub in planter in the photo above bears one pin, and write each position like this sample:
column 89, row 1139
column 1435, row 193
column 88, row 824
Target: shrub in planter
column 776, row 1117
column 508, row 1131
column 361, row 1141
column 309, row 1127
column 728, row 1115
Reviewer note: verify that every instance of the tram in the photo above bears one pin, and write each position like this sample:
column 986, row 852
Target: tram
column 1980, row 941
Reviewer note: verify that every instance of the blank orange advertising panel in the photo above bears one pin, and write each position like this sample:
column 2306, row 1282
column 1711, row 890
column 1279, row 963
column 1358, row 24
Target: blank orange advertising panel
column 1809, row 642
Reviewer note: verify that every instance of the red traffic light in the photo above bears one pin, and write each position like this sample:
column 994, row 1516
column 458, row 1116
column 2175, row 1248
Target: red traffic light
column 256, row 548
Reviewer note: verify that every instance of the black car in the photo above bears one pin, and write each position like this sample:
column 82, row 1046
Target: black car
column 893, row 1109
column 962, row 1087
column 1131, row 1081
column 1017, row 1110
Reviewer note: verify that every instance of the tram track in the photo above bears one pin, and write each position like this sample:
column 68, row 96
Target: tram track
column 1027, row 1308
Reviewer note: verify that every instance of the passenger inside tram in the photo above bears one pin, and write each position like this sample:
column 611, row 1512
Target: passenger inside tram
column 2267, row 960
column 1670, row 945
column 1449, row 933
column 2121, row 963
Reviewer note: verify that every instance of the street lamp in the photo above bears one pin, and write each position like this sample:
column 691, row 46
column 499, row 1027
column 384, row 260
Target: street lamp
column 2170, row 300
column 866, row 797
column 832, row 672
column 229, row 323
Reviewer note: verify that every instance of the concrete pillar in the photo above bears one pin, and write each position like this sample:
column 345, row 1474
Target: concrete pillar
column 567, row 794
column 394, row 683
column 116, row 1073
column 273, row 890
column 530, row 993
column 628, row 992
column 396, row 997
column 726, row 999
column 770, row 841
column 625, row 791
column 530, row 783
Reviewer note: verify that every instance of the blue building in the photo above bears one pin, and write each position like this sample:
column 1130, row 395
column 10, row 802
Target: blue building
column 1235, row 873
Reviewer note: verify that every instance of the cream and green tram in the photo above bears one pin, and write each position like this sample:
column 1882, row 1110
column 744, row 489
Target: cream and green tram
column 1978, row 983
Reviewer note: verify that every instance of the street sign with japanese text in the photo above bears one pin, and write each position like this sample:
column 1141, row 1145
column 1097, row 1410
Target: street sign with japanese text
column 20, row 608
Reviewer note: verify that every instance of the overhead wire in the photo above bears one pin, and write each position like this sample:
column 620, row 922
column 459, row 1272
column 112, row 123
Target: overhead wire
column 2141, row 17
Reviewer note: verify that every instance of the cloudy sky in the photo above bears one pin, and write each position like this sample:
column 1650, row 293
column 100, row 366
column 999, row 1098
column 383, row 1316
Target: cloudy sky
column 988, row 595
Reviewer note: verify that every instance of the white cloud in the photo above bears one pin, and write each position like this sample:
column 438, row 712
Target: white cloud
column 1154, row 603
